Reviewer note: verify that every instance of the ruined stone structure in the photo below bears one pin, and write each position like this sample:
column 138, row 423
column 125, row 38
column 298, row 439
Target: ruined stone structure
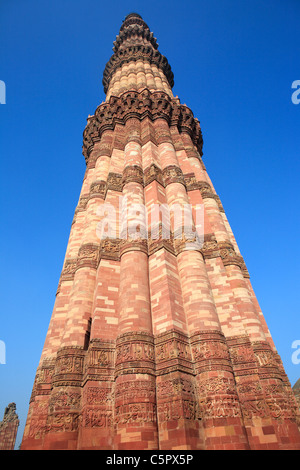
column 9, row 428
column 155, row 341
column 296, row 390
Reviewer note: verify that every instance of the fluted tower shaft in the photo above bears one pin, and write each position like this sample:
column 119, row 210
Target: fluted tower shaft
column 156, row 339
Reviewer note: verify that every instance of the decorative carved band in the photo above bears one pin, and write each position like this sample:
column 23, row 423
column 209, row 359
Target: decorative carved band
column 208, row 193
column 98, row 395
column 158, row 240
column 141, row 105
column 63, row 422
column 210, row 247
column 135, row 354
column 135, row 413
column 100, row 361
column 173, row 353
column 114, row 182
column 176, row 397
column 131, row 389
column 69, row 269
column 191, row 182
column 88, row 256
column 93, row 417
column 206, row 190
column 135, row 400
column 133, row 173
column 65, row 405
column 170, row 386
column 139, row 244
column 260, row 383
column 110, row 249
column 172, row 174
column 69, row 366
column 134, row 29
column 266, row 359
column 210, row 351
column 63, row 400
column 43, row 379
column 153, row 173
column 219, row 407
column 113, row 248
column 203, row 376
column 242, row 355
column 98, row 189
column 83, row 200
column 186, row 239
column 228, row 254
column 218, row 201
column 178, row 409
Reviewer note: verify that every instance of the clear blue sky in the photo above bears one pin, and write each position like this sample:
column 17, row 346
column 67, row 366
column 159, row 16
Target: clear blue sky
column 234, row 63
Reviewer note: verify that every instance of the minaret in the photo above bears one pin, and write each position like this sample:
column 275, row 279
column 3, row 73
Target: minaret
column 156, row 339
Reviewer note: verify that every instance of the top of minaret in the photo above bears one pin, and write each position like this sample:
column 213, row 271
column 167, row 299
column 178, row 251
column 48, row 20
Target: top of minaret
column 133, row 15
column 134, row 31
column 133, row 18
column 135, row 41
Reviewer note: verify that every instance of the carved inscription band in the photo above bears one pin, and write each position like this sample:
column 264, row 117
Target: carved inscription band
column 141, row 105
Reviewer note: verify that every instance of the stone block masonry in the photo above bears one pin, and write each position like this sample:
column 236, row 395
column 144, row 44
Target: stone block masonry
column 155, row 341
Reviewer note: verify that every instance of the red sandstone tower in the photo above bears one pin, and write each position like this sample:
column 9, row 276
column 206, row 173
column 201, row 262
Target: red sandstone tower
column 155, row 341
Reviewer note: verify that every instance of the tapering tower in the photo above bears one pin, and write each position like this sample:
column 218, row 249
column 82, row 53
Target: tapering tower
column 156, row 340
